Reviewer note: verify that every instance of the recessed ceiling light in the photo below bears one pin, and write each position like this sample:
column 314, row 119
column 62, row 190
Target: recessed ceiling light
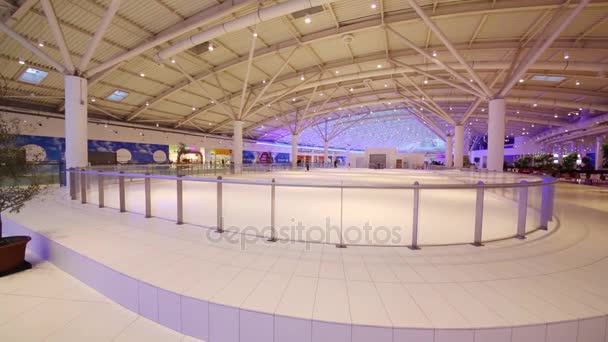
column 173, row 61
column 210, row 47
column 566, row 55
column 577, row 83
column 193, row 109
column 142, row 74
column 373, row 5
column 307, row 19
column 41, row 43
column 21, row 61
column 521, row 80
column 434, row 53
column 302, row 78
column 255, row 34
column 92, row 99
column 379, row 66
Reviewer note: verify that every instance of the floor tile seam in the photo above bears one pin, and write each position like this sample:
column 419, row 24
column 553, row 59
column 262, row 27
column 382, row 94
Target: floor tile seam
column 542, row 300
column 503, row 297
column 55, row 298
column 24, row 312
column 66, row 324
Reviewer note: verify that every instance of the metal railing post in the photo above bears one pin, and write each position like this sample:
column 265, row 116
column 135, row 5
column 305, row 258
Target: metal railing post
column 341, row 244
column 415, row 220
column 72, row 180
column 273, row 232
column 148, row 195
column 121, row 192
column 220, row 217
column 479, row 214
column 546, row 203
column 83, row 188
column 100, row 190
column 180, row 201
column 523, row 211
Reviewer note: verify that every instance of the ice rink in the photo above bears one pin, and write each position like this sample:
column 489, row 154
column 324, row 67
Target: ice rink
column 306, row 211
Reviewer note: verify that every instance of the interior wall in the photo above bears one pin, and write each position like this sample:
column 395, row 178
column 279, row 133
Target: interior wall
column 54, row 127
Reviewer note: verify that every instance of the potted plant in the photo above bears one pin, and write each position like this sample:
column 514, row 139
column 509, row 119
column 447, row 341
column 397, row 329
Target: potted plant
column 17, row 186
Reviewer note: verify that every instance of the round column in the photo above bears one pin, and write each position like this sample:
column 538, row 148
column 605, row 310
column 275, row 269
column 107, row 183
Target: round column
column 294, row 150
column 448, row 151
column 496, row 135
column 76, row 143
column 458, row 148
column 599, row 157
column 237, row 146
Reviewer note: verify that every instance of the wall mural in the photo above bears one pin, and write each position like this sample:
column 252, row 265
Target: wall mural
column 251, row 157
column 40, row 148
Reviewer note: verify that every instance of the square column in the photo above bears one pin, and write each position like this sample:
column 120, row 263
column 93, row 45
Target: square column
column 237, row 146
column 76, row 135
column 458, row 146
column 325, row 152
column 496, row 135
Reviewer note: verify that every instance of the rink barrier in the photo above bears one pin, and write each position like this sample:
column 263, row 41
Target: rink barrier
column 78, row 184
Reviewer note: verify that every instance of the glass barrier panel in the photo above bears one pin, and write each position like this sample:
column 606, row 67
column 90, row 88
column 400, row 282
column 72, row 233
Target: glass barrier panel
column 446, row 216
column 534, row 202
column 246, row 209
column 92, row 188
column 500, row 213
column 134, row 195
column 308, row 214
column 110, row 192
column 163, row 197
column 200, row 203
column 380, row 217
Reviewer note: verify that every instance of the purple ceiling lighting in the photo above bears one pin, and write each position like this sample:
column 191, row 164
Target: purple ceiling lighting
column 380, row 129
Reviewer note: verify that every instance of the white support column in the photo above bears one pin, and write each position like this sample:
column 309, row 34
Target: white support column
column 599, row 158
column 560, row 154
column 347, row 159
column 496, row 134
column 459, row 143
column 448, row 151
column 325, row 151
column 237, row 146
column 76, row 149
column 294, row 150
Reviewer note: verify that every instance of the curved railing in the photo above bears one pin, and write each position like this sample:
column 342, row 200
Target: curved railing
column 476, row 209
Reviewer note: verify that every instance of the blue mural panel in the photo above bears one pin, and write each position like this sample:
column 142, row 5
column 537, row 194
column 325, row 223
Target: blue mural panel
column 281, row 158
column 54, row 148
column 140, row 153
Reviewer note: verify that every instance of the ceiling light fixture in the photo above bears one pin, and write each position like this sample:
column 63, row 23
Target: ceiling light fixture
column 210, row 47
column 21, row 61
column 434, row 53
column 307, row 19
column 373, row 5
column 142, row 74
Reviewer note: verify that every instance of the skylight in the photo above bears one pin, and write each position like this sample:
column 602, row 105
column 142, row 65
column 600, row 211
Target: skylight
column 33, row 76
column 548, row 78
column 118, row 95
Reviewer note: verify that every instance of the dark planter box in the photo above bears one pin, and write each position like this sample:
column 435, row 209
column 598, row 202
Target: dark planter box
column 12, row 254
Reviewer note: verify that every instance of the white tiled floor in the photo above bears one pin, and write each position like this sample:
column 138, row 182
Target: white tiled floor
column 46, row 304
column 552, row 276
